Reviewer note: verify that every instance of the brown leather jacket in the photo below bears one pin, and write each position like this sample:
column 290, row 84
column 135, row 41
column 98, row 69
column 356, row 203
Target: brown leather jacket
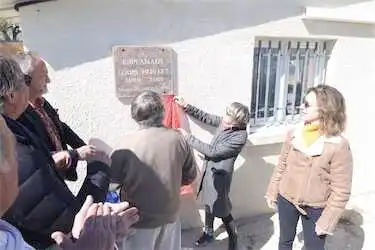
column 317, row 176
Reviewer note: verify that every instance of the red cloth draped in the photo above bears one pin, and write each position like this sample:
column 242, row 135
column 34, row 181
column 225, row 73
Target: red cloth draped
column 172, row 112
column 172, row 119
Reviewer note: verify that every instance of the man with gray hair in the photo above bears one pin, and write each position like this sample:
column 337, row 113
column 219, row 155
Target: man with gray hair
column 91, row 223
column 44, row 203
column 42, row 119
column 150, row 166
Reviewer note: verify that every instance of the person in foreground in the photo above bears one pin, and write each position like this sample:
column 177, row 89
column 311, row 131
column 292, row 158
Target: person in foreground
column 312, row 180
column 41, row 118
column 150, row 166
column 220, row 156
column 96, row 226
column 44, row 203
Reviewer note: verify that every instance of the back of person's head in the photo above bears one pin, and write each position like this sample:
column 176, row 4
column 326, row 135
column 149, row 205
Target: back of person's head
column 239, row 114
column 11, row 78
column 147, row 109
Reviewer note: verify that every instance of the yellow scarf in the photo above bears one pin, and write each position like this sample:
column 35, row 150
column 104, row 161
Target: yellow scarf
column 310, row 133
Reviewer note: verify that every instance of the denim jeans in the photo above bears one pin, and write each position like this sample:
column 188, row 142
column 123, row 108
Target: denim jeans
column 288, row 219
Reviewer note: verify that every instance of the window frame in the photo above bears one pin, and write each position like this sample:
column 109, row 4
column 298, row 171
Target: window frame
column 319, row 49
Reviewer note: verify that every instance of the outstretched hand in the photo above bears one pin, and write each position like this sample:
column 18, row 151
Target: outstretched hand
column 98, row 226
column 86, row 151
column 180, row 101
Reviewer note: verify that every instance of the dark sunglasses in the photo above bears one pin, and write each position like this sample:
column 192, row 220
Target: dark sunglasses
column 28, row 80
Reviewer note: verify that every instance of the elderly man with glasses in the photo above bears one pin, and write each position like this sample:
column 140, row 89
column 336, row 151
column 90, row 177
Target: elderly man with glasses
column 42, row 203
column 42, row 119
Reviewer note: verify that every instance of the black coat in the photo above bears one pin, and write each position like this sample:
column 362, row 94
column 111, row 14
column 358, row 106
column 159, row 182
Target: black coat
column 220, row 156
column 44, row 203
column 31, row 120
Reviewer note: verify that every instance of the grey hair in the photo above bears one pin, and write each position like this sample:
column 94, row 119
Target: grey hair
column 239, row 113
column 27, row 61
column 11, row 78
column 147, row 109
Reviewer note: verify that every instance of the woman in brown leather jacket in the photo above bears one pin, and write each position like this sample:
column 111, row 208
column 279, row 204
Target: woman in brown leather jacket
column 314, row 174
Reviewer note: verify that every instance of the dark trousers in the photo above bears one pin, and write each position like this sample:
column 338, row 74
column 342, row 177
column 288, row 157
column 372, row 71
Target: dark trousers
column 209, row 222
column 96, row 183
column 288, row 218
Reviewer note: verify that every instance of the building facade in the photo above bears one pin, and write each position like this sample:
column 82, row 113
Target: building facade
column 262, row 53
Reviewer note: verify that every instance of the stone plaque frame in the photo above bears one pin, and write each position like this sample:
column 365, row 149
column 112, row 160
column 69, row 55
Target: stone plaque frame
column 144, row 68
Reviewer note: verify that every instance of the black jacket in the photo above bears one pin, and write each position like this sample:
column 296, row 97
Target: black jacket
column 31, row 120
column 44, row 203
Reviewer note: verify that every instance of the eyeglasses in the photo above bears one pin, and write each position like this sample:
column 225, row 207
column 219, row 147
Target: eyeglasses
column 306, row 104
column 28, row 80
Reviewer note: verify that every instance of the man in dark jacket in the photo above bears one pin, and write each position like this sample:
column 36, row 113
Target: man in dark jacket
column 44, row 203
column 90, row 229
column 43, row 120
column 220, row 156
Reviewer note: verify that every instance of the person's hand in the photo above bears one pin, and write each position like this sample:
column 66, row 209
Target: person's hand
column 202, row 156
column 98, row 232
column 85, row 151
column 62, row 159
column 319, row 232
column 99, row 156
column 125, row 219
column 104, row 223
column 271, row 204
column 183, row 132
column 180, row 101
column 82, row 216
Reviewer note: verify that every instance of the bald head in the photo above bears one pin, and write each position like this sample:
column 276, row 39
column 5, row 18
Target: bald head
column 27, row 62
column 33, row 65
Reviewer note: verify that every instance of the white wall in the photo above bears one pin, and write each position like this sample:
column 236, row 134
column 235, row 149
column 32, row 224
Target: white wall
column 214, row 44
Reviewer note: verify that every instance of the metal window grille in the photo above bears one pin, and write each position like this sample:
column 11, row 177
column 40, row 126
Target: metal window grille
column 282, row 72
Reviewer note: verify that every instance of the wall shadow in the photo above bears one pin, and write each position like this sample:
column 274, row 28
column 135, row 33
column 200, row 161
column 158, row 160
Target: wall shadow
column 330, row 3
column 250, row 180
column 348, row 234
column 253, row 234
column 331, row 28
column 136, row 23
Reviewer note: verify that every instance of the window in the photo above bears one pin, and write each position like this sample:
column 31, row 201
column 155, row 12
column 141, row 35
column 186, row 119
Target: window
column 282, row 72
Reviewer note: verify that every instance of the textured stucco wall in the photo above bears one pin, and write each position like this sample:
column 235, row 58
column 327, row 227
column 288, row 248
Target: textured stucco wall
column 214, row 44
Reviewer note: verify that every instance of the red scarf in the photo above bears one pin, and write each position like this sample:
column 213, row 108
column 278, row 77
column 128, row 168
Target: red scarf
column 50, row 127
column 172, row 119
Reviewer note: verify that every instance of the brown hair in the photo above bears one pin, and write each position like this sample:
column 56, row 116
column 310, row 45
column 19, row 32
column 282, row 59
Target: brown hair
column 332, row 111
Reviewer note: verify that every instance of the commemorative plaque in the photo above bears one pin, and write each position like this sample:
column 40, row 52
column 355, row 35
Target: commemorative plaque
column 143, row 68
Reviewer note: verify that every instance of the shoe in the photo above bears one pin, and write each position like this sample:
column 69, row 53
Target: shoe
column 204, row 240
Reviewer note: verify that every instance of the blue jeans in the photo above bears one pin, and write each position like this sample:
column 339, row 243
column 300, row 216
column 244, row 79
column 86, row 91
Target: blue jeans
column 288, row 219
